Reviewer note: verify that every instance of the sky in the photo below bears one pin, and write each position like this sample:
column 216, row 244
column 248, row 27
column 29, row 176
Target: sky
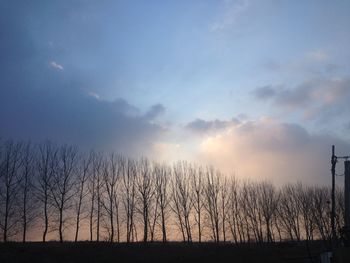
column 258, row 89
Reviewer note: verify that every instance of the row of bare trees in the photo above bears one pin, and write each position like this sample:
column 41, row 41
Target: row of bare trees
column 55, row 192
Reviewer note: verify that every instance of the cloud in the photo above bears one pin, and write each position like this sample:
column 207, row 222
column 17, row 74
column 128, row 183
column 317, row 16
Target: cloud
column 155, row 111
column 318, row 55
column 232, row 10
column 71, row 117
column 293, row 98
column 314, row 62
column 203, row 126
column 36, row 103
column 266, row 149
column 265, row 92
column 55, row 65
column 316, row 98
column 347, row 126
column 258, row 149
column 94, row 95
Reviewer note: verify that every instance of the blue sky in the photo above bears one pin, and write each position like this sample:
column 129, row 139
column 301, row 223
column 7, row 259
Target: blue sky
column 197, row 80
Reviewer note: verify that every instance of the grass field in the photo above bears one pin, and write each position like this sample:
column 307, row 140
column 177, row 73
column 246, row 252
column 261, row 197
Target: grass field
column 156, row 252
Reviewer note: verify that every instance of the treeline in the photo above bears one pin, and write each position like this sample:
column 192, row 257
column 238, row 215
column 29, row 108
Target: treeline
column 54, row 190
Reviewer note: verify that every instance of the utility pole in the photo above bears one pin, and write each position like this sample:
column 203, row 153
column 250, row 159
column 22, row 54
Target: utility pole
column 333, row 162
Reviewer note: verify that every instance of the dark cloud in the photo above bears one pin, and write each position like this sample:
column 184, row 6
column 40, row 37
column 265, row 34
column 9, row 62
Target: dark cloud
column 72, row 117
column 294, row 98
column 155, row 111
column 39, row 101
column 320, row 98
column 265, row 92
column 285, row 97
column 203, row 126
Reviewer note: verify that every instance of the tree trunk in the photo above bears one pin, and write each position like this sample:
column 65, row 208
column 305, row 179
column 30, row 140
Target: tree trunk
column 46, row 219
column 145, row 225
column 6, row 215
column 199, row 228
column 163, row 227
column 60, row 230
column 111, row 221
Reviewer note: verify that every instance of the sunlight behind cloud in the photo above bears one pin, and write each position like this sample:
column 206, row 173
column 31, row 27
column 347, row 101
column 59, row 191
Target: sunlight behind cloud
column 266, row 149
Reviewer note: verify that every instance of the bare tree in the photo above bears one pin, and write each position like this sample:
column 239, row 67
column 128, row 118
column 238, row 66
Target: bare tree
column 234, row 214
column 252, row 211
column 146, row 191
column 162, row 176
column 268, row 201
column 62, row 186
column 182, row 198
column 320, row 211
column 94, row 188
column 129, row 195
column 212, row 192
column 117, row 212
column 154, row 213
column 197, row 184
column 111, row 174
column 289, row 212
column 45, row 169
column 305, row 196
column 82, row 177
column 28, row 208
column 124, row 197
column 9, row 186
column 224, row 204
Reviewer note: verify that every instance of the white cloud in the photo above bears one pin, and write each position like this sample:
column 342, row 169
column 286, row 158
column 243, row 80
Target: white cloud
column 94, row 95
column 232, row 11
column 55, row 65
column 318, row 55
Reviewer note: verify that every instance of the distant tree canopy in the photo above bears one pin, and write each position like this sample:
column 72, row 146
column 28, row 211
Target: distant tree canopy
column 55, row 192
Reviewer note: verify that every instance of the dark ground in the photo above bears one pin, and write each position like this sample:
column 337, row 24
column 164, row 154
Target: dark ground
column 156, row 252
